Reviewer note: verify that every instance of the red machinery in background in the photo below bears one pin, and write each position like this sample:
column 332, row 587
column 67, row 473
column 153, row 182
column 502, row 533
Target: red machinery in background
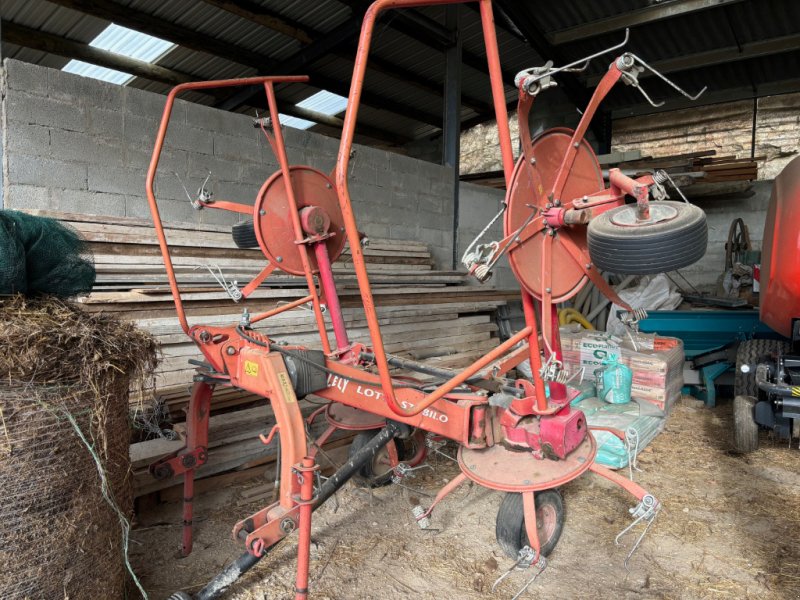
column 514, row 434
column 767, row 383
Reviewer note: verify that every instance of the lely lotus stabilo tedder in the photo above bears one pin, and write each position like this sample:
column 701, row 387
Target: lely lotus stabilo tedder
column 517, row 435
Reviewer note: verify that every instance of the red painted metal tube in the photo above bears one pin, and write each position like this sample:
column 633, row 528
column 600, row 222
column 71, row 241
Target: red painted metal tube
column 280, row 309
column 626, row 484
column 331, row 297
column 601, row 91
column 188, row 513
column 304, row 535
column 529, row 310
column 283, row 161
column 153, row 168
column 498, row 91
column 196, row 437
column 343, row 161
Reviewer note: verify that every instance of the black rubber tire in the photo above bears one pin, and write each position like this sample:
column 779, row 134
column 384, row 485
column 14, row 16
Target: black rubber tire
column 648, row 249
column 244, row 235
column 745, row 428
column 180, row 596
column 752, row 352
column 510, row 526
column 369, row 475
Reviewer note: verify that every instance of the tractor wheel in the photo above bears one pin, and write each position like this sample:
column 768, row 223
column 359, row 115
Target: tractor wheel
column 244, row 235
column 379, row 472
column 749, row 354
column 745, row 428
column 618, row 244
column 510, row 526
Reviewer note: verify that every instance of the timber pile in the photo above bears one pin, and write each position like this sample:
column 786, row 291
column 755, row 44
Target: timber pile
column 701, row 173
column 697, row 167
column 424, row 314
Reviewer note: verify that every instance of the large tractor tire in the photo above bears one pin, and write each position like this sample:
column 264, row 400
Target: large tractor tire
column 745, row 428
column 749, row 354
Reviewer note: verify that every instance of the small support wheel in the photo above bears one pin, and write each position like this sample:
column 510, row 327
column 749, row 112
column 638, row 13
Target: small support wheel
column 676, row 237
column 244, row 235
column 180, row 596
column 510, row 527
column 379, row 472
column 745, row 428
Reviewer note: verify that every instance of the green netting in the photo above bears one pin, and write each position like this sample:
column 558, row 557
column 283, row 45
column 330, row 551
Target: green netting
column 39, row 255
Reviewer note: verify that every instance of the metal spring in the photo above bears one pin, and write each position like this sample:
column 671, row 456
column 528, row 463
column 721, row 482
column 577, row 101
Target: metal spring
column 660, row 176
column 482, row 272
column 635, row 315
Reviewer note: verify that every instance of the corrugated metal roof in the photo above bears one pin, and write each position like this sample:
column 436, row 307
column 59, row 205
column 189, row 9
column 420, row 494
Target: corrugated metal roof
column 252, row 47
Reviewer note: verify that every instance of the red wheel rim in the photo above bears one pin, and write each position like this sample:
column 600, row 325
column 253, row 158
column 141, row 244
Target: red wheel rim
column 546, row 522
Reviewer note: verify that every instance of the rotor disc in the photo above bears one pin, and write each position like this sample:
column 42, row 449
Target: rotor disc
column 273, row 218
column 585, row 177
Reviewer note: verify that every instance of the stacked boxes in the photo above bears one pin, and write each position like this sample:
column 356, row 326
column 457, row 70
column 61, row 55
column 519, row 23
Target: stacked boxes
column 656, row 362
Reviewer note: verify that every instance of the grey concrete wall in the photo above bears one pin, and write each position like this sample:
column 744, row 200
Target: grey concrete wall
column 721, row 212
column 79, row 145
column 477, row 205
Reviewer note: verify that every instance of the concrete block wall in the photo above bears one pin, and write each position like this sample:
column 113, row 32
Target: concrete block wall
column 75, row 144
column 477, row 206
column 720, row 212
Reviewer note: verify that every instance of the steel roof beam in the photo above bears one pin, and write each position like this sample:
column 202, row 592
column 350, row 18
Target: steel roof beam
column 642, row 16
column 252, row 11
column 193, row 40
column 255, row 13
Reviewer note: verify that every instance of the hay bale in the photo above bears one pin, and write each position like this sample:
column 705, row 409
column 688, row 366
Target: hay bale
column 65, row 377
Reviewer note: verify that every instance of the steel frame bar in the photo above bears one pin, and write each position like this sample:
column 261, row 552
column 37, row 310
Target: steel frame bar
column 601, row 91
column 343, row 161
column 283, row 161
column 280, row 309
column 529, row 512
column 156, row 156
column 196, row 437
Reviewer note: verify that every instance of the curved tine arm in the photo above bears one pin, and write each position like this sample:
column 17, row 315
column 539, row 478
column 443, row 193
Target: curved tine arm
column 583, row 62
column 153, row 168
column 647, row 97
column 668, row 81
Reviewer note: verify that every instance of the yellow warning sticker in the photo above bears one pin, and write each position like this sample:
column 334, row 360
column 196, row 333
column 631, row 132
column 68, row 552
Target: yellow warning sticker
column 286, row 387
column 251, row 368
column 796, row 391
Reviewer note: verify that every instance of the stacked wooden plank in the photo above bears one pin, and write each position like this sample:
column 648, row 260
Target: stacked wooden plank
column 424, row 314
column 701, row 173
column 698, row 167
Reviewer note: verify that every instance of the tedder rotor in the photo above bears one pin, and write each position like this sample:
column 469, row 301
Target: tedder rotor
column 518, row 435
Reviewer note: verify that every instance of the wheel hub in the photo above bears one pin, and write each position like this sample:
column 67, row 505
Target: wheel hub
column 659, row 213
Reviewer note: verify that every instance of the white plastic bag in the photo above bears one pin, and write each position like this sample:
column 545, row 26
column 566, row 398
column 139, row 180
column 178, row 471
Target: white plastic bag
column 653, row 292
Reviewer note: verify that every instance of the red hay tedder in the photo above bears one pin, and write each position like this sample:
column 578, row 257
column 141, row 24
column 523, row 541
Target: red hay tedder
column 516, row 435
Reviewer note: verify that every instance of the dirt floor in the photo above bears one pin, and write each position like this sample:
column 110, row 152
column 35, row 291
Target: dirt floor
column 729, row 528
